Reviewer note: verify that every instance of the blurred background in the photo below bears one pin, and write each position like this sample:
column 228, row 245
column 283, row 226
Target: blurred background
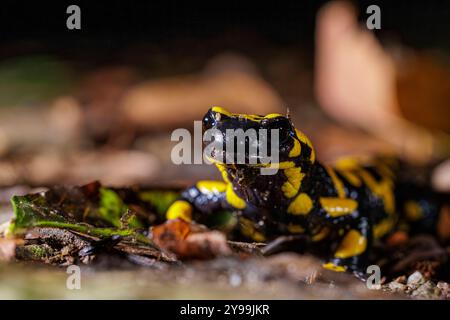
column 100, row 103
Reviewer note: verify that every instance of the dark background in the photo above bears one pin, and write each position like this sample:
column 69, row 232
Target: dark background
column 110, row 25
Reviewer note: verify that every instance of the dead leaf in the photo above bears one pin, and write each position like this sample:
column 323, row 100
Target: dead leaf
column 397, row 239
column 356, row 82
column 189, row 240
column 443, row 225
column 219, row 84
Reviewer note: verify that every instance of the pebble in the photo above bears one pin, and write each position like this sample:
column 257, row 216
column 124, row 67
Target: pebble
column 427, row 290
column 235, row 280
column 445, row 289
column 401, row 279
column 418, row 287
column 396, row 286
column 415, row 278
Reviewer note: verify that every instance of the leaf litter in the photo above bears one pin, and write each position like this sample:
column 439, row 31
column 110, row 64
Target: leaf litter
column 116, row 227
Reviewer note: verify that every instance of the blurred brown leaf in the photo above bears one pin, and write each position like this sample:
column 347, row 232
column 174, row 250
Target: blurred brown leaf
column 170, row 102
column 190, row 241
column 356, row 83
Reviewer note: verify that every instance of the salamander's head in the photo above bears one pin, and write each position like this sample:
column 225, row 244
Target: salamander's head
column 254, row 139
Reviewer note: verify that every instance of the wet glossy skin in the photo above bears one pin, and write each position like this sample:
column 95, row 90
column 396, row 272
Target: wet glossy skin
column 340, row 209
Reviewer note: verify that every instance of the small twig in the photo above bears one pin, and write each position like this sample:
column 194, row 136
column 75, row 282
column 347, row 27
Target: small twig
column 278, row 244
column 248, row 247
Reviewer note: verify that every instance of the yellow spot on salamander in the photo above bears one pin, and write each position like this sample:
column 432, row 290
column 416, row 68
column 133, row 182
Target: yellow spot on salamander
column 321, row 234
column 385, row 190
column 353, row 244
column 292, row 185
column 347, row 163
column 295, row 228
column 382, row 228
column 180, row 209
column 333, row 267
column 251, row 117
column 351, row 177
column 233, row 199
column 281, row 165
column 413, row 210
column 303, row 138
column 338, row 185
column 382, row 189
column 385, row 170
column 296, row 149
column 284, row 165
column 222, row 111
column 346, row 167
column 337, row 207
column 223, row 171
column 248, row 229
column 209, row 186
column 272, row 115
column 301, row 205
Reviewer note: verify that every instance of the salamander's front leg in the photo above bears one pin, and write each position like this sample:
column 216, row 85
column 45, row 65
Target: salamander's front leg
column 204, row 198
column 352, row 252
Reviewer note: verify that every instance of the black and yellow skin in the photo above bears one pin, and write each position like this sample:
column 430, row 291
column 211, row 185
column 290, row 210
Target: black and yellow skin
column 340, row 209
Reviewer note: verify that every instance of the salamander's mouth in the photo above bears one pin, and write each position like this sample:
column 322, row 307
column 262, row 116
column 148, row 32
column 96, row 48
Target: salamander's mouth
column 270, row 165
column 233, row 159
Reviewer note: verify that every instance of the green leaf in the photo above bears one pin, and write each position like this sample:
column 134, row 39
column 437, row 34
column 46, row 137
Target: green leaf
column 29, row 212
column 92, row 210
column 111, row 207
column 131, row 221
column 33, row 79
column 89, row 210
column 159, row 199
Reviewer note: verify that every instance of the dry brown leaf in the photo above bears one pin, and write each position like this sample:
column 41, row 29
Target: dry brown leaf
column 190, row 241
column 356, row 82
column 443, row 226
column 185, row 98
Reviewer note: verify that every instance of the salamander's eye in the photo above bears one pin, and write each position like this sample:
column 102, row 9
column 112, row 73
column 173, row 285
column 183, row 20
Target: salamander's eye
column 208, row 120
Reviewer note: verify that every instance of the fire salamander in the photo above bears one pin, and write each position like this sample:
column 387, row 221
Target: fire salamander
column 342, row 209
